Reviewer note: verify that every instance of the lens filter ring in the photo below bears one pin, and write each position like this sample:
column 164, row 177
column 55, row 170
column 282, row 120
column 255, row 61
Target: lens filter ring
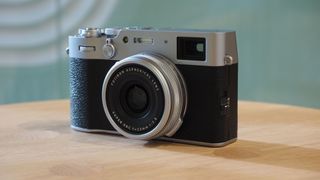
column 143, row 97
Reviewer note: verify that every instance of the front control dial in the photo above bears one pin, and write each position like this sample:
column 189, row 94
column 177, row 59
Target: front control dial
column 109, row 50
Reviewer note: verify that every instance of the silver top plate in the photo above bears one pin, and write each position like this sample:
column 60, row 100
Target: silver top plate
column 221, row 48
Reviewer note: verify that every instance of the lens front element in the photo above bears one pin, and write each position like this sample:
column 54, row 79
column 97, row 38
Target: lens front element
column 136, row 99
column 144, row 96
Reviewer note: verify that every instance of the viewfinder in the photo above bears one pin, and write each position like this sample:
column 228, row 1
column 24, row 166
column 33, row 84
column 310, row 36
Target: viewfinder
column 191, row 48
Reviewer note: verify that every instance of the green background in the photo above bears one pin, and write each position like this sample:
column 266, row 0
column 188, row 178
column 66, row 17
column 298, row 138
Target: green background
column 278, row 42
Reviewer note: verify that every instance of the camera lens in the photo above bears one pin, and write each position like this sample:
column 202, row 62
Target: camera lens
column 137, row 99
column 134, row 97
column 144, row 96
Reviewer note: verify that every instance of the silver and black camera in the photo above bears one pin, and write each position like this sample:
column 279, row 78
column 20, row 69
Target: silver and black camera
column 145, row 83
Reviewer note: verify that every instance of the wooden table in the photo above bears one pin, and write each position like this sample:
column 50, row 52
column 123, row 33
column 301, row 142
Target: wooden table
column 275, row 142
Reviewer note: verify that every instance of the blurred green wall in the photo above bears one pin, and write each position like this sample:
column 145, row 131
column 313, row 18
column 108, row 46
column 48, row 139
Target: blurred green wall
column 278, row 42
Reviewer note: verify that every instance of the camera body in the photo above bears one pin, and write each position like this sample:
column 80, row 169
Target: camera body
column 145, row 83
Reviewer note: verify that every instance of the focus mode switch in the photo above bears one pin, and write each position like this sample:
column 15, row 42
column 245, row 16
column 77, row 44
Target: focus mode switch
column 87, row 48
column 225, row 105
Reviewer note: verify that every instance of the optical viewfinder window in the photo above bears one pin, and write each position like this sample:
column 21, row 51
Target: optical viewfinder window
column 191, row 48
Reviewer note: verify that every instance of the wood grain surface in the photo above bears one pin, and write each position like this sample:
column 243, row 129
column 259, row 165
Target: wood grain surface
column 275, row 142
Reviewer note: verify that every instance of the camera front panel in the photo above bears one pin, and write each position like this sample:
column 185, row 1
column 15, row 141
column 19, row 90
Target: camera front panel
column 205, row 120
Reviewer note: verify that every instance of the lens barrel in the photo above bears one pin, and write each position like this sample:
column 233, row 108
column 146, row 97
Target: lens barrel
column 144, row 96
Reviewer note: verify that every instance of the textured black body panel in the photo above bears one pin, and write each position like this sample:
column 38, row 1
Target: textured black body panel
column 205, row 120
column 86, row 79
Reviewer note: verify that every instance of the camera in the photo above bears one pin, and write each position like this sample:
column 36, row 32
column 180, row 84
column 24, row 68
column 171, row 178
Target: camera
column 144, row 83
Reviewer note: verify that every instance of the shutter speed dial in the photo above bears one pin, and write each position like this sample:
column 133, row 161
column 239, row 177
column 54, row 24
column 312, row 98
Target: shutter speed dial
column 90, row 32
